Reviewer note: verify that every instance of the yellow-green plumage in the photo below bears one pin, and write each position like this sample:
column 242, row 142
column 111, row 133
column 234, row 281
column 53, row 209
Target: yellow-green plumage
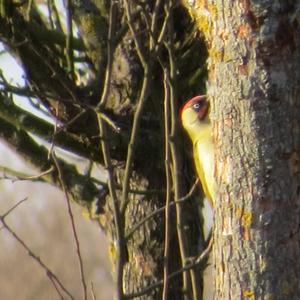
column 200, row 133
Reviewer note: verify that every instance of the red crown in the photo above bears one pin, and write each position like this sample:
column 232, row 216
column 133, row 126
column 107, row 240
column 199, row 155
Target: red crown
column 191, row 101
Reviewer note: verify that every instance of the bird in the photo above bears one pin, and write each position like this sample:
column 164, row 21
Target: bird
column 195, row 120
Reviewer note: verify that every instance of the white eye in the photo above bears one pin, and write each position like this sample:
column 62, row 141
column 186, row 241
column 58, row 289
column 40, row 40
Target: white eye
column 197, row 106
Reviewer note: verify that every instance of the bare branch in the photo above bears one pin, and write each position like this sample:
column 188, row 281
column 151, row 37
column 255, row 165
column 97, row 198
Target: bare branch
column 109, row 121
column 160, row 210
column 75, row 235
column 28, row 122
column 13, row 207
column 29, row 8
column 54, row 18
column 133, row 137
column 154, row 22
column 69, row 45
column 53, row 278
column 19, row 176
column 191, row 277
column 193, row 264
column 168, row 188
column 93, row 292
column 138, row 43
column 110, row 52
column 118, row 216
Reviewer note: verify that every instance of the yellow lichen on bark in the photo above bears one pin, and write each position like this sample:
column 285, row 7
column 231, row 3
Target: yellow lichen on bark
column 203, row 13
column 249, row 294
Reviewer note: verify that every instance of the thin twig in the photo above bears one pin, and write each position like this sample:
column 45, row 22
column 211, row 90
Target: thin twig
column 50, row 17
column 18, row 176
column 13, row 207
column 56, row 16
column 138, row 42
column 69, row 40
column 124, row 26
column 110, row 53
column 168, row 188
column 6, row 87
column 109, row 121
column 131, row 191
column 192, row 264
column 70, row 212
column 134, row 134
column 101, row 117
column 189, row 278
column 160, row 210
column 52, row 277
column 28, row 10
column 118, row 216
column 154, row 23
column 177, row 192
column 164, row 27
column 62, row 80
column 147, row 65
column 93, row 294
column 56, row 288
column 52, row 144
column 67, row 124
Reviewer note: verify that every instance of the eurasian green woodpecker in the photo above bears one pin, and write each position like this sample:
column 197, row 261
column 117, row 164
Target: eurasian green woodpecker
column 195, row 120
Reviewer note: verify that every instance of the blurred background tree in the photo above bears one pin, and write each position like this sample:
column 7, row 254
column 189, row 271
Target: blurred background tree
column 103, row 83
column 43, row 223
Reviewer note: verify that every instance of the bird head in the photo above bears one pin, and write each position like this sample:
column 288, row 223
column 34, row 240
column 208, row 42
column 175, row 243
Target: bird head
column 194, row 115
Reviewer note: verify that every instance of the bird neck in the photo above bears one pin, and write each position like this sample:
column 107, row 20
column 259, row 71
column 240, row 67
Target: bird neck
column 200, row 131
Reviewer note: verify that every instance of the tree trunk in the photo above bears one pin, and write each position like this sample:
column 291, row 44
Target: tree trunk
column 254, row 86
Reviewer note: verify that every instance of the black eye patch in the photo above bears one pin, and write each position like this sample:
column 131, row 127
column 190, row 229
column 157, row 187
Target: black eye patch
column 197, row 106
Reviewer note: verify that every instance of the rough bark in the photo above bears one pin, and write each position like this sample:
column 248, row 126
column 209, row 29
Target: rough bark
column 254, row 86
